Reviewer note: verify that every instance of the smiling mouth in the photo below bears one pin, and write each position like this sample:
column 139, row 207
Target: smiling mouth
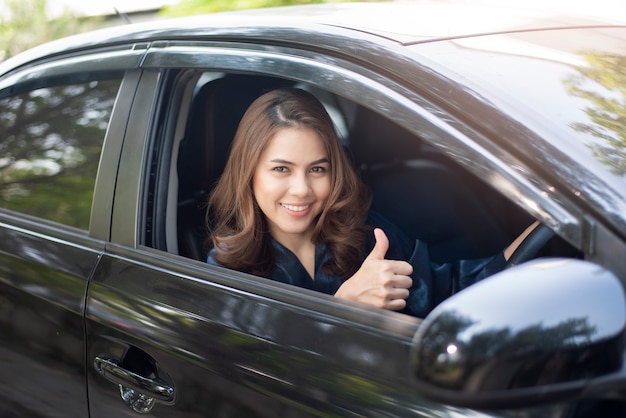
column 296, row 208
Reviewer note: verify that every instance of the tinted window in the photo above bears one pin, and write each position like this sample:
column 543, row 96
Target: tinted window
column 50, row 143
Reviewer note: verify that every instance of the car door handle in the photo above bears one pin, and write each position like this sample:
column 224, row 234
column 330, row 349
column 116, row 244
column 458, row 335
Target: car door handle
column 113, row 371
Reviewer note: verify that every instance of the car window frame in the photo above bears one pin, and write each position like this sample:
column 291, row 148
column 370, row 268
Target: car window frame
column 334, row 75
column 351, row 81
column 338, row 77
column 129, row 217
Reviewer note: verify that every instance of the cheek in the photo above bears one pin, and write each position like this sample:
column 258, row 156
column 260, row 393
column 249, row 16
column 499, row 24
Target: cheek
column 259, row 183
column 258, row 191
column 322, row 189
column 256, row 185
column 264, row 185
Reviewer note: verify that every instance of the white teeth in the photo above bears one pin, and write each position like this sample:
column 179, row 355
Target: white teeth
column 296, row 208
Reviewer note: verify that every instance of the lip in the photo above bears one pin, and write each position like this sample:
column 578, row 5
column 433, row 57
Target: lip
column 297, row 210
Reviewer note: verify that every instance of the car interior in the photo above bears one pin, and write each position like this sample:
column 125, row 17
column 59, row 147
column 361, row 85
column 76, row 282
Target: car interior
column 413, row 185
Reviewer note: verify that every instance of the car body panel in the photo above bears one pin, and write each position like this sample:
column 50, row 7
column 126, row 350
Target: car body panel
column 222, row 336
column 43, row 282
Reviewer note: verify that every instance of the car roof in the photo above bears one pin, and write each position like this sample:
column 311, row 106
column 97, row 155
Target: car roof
column 427, row 21
column 404, row 22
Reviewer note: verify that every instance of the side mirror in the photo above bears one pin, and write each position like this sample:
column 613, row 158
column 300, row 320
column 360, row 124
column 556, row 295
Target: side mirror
column 544, row 331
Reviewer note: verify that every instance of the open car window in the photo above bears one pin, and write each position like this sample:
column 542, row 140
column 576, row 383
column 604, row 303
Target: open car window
column 414, row 185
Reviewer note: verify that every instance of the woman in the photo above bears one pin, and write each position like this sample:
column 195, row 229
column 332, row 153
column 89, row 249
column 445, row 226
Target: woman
column 289, row 206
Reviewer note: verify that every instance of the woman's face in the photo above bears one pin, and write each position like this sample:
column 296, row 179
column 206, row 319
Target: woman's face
column 292, row 182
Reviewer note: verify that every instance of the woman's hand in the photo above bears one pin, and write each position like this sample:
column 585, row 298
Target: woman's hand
column 379, row 282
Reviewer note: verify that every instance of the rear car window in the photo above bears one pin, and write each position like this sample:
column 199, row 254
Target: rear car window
column 51, row 138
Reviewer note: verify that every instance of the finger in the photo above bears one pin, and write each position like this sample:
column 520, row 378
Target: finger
column 401, row 282
column 382, row 245
column 396, row 304
column 398, row 293
column 399, row 267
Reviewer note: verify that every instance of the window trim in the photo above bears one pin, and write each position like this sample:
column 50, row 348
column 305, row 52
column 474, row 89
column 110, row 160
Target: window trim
column 92, row 62
column 106, row 179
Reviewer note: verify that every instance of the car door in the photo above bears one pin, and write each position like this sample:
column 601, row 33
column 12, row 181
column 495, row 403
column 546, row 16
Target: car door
column 54, row 119
column 172, row 336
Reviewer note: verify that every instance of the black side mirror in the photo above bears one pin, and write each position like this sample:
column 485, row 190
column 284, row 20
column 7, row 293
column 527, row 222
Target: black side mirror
column 541, row 332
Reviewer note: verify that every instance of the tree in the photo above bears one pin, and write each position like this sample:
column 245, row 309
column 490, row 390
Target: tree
column 25, row 24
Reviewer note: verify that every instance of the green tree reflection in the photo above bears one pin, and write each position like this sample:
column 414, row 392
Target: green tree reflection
column 607, row 111
column 51, row 143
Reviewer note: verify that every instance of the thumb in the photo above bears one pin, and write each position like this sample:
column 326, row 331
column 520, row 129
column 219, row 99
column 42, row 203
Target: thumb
column 382, row 245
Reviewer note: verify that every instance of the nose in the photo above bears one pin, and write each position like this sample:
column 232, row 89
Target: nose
column 300, row 185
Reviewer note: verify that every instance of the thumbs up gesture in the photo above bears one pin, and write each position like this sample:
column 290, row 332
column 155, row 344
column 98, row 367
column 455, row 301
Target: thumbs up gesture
column 379, row 282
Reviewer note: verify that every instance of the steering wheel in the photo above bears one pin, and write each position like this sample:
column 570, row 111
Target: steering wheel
column 530, row 246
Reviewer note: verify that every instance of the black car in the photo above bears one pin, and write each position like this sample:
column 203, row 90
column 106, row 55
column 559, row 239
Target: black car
column 111, row 141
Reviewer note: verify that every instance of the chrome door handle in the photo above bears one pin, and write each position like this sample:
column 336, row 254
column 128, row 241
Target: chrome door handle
column 156, row 388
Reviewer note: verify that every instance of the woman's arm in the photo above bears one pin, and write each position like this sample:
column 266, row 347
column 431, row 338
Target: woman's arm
column 508, row 252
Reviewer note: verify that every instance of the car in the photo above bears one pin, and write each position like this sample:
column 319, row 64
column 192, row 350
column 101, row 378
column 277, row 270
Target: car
column 468, row 123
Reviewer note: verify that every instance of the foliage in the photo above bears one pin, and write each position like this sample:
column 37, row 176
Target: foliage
column 607, row 112
column 25, row 24
column 193, row 7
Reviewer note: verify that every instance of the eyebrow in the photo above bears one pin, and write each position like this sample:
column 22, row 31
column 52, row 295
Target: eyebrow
column 281, row 161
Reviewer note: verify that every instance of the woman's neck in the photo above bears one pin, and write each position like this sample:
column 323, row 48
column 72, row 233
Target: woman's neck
column 303, row 248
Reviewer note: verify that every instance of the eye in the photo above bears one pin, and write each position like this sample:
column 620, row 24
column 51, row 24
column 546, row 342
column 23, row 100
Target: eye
column 318, row 169
column 280, row 169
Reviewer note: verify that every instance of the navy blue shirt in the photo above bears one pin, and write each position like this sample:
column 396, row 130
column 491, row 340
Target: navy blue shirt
column 432, row 282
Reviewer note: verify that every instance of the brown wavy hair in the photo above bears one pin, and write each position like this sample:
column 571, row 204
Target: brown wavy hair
column 239, row 232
